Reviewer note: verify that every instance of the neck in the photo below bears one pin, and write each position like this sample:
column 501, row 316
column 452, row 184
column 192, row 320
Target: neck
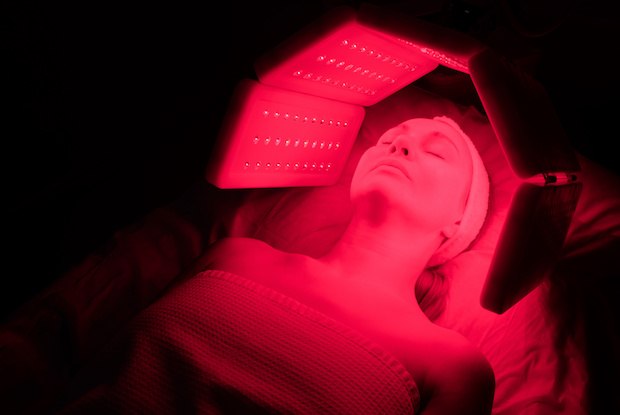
column 384, row 254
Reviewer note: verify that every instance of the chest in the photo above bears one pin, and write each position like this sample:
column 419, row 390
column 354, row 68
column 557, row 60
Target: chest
column 371, row 310
column 390, row 323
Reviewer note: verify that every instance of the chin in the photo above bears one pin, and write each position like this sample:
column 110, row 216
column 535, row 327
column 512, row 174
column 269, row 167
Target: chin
column 380, row 195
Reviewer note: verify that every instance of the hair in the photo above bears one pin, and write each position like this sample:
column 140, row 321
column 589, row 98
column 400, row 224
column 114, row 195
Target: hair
column 431, row 291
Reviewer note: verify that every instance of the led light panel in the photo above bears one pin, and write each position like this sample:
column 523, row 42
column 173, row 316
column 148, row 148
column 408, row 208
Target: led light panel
column 278, row 138
column 343, row 60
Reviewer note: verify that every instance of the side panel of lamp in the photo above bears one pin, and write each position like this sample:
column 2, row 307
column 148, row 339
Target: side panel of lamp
column 522, row 116
column 530, row 243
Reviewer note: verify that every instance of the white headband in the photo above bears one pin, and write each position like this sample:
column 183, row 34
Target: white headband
column 475, row 208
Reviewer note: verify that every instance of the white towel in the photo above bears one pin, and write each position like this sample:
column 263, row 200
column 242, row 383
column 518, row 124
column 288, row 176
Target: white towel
column 475, row 209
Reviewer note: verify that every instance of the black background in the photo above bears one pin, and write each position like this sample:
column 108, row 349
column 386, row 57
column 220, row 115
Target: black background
column 110, row 108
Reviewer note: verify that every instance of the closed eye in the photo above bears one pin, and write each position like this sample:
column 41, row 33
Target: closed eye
column 438, row 148
column 437, row 154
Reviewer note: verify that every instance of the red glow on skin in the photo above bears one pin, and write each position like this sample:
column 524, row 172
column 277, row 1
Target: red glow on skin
column 421, row 171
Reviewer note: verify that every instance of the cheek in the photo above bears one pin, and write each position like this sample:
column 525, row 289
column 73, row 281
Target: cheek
column 438, row 179
column 459, row 191
column 447, row 192
column 362, row 169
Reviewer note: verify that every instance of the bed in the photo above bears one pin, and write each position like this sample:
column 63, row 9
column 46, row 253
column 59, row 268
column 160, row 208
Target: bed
column 553, row 346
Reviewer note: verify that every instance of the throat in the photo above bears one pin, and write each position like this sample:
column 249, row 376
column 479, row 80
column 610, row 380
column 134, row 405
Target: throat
column 374, row 207
column 370, row 278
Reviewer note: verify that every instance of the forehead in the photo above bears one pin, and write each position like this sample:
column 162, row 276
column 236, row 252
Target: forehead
column 427, row 127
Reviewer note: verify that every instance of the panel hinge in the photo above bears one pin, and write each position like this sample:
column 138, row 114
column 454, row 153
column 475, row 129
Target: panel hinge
column 554, row 178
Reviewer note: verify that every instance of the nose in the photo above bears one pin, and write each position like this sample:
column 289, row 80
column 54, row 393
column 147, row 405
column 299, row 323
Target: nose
column 400, row 146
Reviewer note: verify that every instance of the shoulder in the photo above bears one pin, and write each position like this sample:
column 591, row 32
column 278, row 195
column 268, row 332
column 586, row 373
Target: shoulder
column 237, row 244
column 242, row 248
column 251, row 258
column 453, row 376
column 235, row 254
column 458, row 378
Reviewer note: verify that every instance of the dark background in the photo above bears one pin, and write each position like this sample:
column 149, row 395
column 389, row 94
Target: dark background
column 110, row 108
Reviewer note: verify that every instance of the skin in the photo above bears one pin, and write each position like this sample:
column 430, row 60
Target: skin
column 408, row 193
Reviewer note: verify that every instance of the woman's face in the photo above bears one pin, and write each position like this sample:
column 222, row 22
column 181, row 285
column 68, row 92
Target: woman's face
column 422, row 168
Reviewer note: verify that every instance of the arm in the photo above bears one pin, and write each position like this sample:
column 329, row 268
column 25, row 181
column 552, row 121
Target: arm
column 463, row 383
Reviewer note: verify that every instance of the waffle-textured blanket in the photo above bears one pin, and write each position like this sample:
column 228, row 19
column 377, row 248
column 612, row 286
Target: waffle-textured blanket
column 221, row 344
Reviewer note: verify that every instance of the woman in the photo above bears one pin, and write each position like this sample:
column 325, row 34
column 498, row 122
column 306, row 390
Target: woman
column 255, row 330
column 419, row 198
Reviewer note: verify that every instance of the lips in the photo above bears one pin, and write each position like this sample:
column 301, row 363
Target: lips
column 394, row 164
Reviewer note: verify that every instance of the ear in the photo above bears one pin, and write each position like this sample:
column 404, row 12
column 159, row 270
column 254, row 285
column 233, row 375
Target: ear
column 450, row 230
